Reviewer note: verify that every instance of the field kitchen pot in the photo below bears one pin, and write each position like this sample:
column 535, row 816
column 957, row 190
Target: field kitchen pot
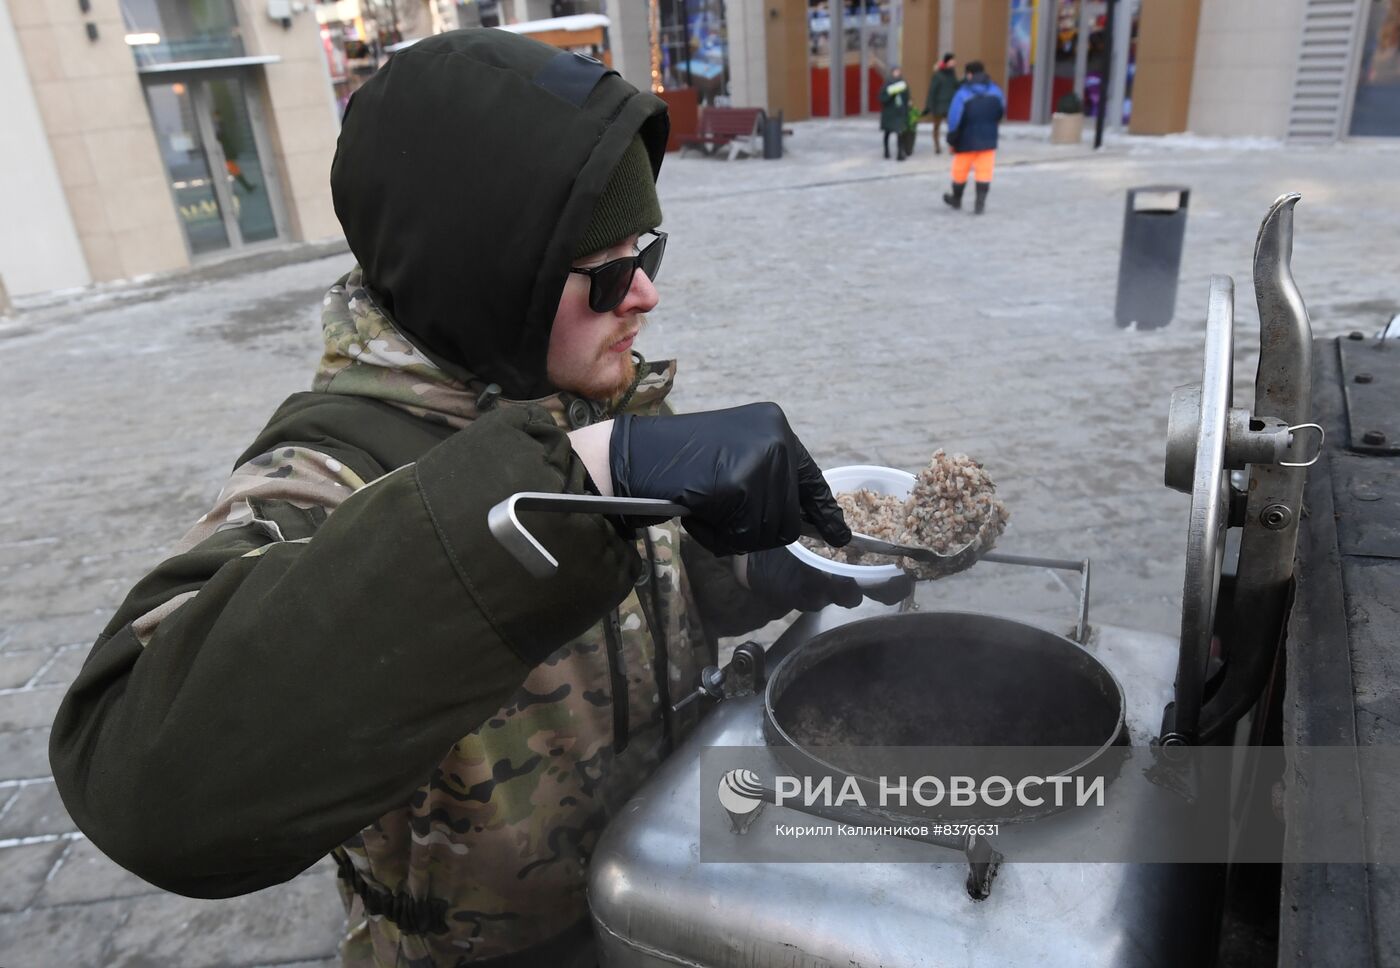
column 948, row 678
column 953, row 683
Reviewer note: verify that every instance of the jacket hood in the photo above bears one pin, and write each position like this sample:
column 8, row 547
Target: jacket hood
column 466, row 170
column 982, row 83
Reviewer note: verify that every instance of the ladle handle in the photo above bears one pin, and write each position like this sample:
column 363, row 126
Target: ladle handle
column 507, row 528
column 1081, row 630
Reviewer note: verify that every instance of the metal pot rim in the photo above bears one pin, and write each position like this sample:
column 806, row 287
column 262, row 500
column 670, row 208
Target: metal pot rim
column 770, row 713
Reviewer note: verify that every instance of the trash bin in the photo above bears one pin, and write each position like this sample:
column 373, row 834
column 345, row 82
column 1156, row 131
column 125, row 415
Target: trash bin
column 773, row 136
column 1154, row 227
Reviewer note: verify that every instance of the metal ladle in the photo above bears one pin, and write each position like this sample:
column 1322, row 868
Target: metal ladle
column 875, row 546
column 507, row 528
column 505, row 525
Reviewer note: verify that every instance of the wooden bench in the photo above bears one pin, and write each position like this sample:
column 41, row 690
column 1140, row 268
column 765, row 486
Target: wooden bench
column 739, row 128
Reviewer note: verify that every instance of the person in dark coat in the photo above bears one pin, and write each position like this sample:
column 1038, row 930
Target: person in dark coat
column 339, row 657
column 973, row 119
column 941, row 88
column 894, row 112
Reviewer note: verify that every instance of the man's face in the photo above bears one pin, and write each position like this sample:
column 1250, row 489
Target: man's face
column 591, row 353
column 896, row 73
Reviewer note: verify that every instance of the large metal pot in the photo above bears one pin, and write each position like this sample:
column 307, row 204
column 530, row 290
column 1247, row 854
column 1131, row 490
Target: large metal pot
column 656, row 903
column 973, row 693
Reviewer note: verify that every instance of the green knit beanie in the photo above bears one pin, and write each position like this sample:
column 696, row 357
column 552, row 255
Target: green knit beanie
column 628, row 204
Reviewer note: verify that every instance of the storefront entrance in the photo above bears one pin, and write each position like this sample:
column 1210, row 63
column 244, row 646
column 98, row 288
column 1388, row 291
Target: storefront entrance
column 1058, row 46
column 868, row 28
column 214, row 145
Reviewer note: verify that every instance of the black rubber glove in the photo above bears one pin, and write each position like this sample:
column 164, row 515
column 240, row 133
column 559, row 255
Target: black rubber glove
column 746, row 478
column 781, row 579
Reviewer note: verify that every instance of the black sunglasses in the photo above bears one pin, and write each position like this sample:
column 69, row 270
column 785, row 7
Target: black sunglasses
column 609, row 283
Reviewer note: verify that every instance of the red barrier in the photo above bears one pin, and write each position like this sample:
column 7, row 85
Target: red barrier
column 821, row 90
column 1018, row 98
column 1018, row 95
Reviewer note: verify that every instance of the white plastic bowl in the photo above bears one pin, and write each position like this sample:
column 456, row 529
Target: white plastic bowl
column 870, row 477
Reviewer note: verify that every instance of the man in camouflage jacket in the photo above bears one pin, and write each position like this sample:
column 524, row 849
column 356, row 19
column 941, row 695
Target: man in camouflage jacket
column 338, row 657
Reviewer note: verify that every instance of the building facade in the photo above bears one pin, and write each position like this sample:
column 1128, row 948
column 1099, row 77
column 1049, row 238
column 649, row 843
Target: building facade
column 1287, row 69
column 148, row 135
column 1304, row 70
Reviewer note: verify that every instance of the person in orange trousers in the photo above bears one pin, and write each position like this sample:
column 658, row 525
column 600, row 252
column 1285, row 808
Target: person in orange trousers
column 973, row 120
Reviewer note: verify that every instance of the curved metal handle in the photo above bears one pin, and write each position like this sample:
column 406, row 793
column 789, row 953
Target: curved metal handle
column 1282, row 391
column 506, row 527
column 1081, row 627
column 1283, row 386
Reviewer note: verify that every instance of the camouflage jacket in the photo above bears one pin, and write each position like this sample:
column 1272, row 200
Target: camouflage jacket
column 341, row 619
column 488, row 856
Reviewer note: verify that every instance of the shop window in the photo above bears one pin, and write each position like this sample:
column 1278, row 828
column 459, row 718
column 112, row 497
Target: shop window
column 176, row 31
column 695, row 48
column 1377, row 107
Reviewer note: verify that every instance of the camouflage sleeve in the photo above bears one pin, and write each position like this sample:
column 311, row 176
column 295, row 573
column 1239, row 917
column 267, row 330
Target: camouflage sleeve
column 303, row 663
column 726, row 607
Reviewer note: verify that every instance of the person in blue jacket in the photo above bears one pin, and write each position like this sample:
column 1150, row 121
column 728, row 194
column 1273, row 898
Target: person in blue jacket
column 973, row 119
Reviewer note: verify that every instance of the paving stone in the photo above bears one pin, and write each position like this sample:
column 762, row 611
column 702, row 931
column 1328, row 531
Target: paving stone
column 80, row 935
column 25, row 867
column 298, row 921
column 35, row 809
column 17, row 668
column 23, row 631
column 29, row 708
column 24, row 755
column 87, row 875
column 66, row 665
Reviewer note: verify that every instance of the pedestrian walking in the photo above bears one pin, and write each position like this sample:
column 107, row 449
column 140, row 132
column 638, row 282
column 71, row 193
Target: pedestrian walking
column 339, row 658
column 894, row 112
column 973, row 119
column 942, row 86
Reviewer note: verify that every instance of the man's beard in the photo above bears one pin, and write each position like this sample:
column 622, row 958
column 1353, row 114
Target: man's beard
column 624, row 383
column 615, row 394
column 594, row 386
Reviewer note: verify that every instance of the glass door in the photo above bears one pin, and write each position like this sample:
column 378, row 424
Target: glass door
column 875, row 57
column 236, row 151
column 174, row 117
column 211, row 140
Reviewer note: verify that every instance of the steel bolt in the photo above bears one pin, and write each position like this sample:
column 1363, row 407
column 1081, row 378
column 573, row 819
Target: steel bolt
column 1356, row 334
column 1373, row 437
column 1364, row 378
column 1275, row 517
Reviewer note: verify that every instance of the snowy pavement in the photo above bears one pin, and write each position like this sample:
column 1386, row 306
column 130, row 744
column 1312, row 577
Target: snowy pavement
column 832, row 281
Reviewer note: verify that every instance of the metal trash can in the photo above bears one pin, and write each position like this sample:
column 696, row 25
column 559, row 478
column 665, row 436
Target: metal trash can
column 1154, row 227
column 773, row 136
